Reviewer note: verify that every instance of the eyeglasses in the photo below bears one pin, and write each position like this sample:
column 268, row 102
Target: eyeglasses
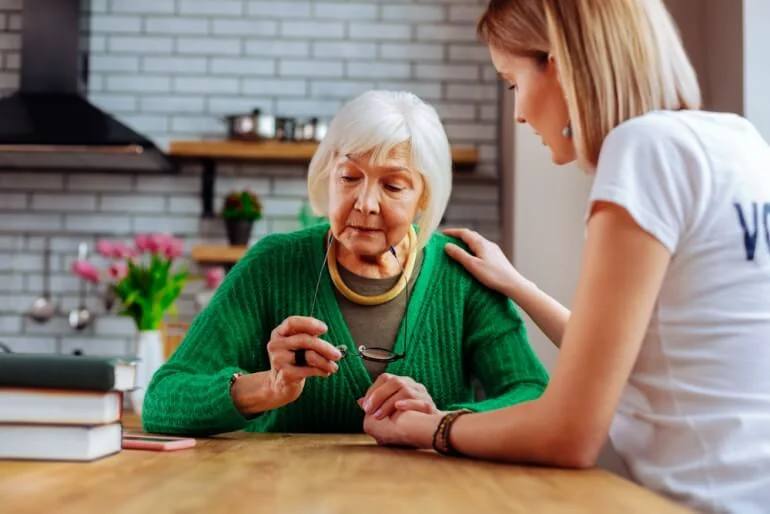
column 374, row 354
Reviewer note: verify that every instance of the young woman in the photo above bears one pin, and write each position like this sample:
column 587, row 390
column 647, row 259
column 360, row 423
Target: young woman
column 667, row 347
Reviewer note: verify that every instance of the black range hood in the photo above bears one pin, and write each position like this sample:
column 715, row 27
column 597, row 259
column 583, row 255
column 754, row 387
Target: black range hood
column 49, row 123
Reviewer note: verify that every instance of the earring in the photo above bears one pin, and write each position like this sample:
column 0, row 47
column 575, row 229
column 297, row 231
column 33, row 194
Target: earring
column 567, row 131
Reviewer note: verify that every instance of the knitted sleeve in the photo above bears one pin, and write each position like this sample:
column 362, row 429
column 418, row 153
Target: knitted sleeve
column 501, row 356
column 190, row 393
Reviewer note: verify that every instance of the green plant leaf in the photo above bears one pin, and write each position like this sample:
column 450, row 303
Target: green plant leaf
column 243, row 205
column 149, row 290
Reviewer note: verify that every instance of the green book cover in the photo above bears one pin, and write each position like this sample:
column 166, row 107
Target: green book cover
column 73, row 372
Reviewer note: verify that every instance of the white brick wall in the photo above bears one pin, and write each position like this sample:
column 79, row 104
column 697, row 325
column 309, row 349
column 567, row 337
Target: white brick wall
column 415, row 52
column 414, row 13
column 211, row 7
column 249, row 28
column 344, row 50
column 380, row 31
column 141, row 6
column 172, row 68
column 350, row 12
column 72, row 208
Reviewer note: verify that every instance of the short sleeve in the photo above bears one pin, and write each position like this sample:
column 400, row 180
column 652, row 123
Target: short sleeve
column 648, row 166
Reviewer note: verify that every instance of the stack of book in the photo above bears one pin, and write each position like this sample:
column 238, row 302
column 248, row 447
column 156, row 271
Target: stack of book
column 62, row 407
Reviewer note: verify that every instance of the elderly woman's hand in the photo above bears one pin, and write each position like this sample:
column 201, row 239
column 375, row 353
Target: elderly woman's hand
column 287, row 377
column 391, row 393
column 487, row 262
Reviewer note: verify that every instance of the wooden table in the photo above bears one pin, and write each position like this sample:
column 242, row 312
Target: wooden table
column 299, row 474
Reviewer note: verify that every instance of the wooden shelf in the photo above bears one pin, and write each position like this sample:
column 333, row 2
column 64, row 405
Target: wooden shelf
column 210, row 152
column 279, row 151
column 217, row 254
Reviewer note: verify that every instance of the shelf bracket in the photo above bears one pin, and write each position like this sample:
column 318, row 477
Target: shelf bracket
column 207, row 188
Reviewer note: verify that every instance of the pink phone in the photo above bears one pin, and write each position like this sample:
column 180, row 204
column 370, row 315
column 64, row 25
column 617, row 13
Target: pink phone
column 156, row 442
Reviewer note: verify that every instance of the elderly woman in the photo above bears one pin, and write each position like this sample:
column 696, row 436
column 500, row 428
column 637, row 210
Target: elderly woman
column 313, row 329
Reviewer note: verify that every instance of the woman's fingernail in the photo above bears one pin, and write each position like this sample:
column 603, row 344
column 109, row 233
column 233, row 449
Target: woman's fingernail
column 367, row 405
column 378, row 414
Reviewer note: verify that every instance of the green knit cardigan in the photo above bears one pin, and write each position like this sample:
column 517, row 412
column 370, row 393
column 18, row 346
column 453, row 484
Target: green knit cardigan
column 459, row 330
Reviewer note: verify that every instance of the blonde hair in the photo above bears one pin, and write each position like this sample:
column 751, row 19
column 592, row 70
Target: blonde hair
column 616, row 59
column 381, row 124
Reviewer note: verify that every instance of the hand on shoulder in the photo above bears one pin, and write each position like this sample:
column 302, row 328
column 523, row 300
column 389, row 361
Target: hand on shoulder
column 485, row 261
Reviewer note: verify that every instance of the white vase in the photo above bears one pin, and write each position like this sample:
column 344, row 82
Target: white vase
column 149, row 352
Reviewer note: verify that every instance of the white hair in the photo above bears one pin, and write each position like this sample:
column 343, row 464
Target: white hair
column 376, row 122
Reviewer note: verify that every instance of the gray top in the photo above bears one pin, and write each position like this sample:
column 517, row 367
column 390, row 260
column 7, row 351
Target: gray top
column 375, row 325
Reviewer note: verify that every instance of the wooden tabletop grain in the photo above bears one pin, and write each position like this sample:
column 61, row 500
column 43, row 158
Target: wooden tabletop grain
column 299, row 474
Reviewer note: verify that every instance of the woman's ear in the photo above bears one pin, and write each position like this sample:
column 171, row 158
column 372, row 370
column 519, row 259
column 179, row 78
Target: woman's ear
column 423, row 203
column 550, row 66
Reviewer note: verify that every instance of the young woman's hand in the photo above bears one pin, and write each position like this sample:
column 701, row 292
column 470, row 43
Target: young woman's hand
column 391, row 393
column 487, row 262
column 404, row 429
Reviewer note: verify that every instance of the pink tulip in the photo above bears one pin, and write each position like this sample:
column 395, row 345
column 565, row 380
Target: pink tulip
column 105, row 248
column 159, row 243
column 120, row 251
column 214, row 277
column 86, row 270
column 142, row 242
column 118, row 270
column 175, row 248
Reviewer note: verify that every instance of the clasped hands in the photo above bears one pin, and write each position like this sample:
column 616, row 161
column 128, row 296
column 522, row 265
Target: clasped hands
column 392, row 393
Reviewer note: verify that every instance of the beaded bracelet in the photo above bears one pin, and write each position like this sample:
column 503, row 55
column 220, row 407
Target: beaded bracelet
column 441, row 436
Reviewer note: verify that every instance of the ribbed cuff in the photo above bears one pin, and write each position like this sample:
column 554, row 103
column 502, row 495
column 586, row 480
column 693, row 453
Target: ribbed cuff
column 220, row 407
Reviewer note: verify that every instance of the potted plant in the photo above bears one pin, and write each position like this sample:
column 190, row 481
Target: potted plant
column 239, row 212
column 145, row 281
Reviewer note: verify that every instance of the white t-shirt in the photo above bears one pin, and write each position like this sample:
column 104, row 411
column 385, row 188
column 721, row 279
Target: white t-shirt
column 694, row 420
